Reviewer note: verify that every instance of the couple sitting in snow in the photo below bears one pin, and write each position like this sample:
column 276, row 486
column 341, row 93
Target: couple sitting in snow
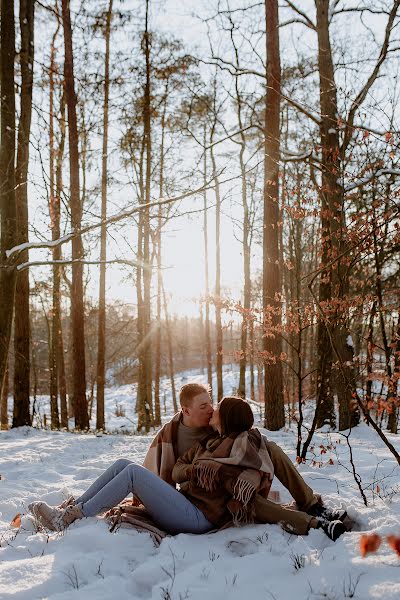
column 224, row 468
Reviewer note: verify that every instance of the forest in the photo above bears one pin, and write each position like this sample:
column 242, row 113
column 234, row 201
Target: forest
column 258, row 142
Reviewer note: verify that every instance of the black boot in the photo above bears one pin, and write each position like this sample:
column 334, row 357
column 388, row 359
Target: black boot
column 333, row 529
column 320, row 511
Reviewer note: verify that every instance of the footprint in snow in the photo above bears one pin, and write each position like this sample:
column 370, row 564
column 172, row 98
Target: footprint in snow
column 242, row 547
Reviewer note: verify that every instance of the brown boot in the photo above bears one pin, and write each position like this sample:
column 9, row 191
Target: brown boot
column 70, row 501
column 54, row 518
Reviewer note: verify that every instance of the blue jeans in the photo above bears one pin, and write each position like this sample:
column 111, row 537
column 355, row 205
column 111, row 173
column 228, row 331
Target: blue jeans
column 169, row 508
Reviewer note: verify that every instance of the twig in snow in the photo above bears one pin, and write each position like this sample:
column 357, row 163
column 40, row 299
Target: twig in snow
column 356, row 476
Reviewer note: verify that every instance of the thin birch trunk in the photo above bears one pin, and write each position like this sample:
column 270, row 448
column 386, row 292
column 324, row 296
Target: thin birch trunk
column 54, row 208
column 157, row 352
column 206, row 278
column 4, row 401
column 217, row 301
column 170, row 351
column 57, row 332
column 101, row 330
column 145, row 404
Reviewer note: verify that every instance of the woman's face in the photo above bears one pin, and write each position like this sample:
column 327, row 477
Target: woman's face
column 215, row 421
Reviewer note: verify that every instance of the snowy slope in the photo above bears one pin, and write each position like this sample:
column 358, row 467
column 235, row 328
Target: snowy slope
column 255, row 561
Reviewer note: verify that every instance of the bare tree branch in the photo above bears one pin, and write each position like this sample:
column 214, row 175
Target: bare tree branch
column 302, row 14
column 364, row 91
column 231, row 135
column 364, row 180
column 293, row 21
column 45, row 263
column 110, row 220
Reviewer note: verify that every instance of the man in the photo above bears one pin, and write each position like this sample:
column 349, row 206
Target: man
column 192, row 424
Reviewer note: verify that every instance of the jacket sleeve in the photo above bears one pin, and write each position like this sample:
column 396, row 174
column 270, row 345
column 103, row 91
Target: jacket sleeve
column 182, row 470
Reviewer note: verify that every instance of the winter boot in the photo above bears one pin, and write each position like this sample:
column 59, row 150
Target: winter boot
column 320, row 511
column 70, row 501
column 333, row 529
column 54, row 518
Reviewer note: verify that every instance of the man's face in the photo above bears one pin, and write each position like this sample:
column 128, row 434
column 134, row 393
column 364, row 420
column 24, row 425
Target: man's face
column 199, row 412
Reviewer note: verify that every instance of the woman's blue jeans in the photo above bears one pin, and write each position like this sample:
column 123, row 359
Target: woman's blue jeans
column 169, row 508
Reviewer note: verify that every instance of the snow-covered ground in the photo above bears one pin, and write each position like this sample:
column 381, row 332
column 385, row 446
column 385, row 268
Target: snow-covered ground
column 259, row 562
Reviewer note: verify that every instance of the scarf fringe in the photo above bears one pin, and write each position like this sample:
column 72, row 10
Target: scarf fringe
column 206, row 477
column 244, row 515
column 243, row 491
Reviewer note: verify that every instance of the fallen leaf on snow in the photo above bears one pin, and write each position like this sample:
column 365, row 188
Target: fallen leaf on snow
column 16, row 522
column 394, row 543
column 369, row 543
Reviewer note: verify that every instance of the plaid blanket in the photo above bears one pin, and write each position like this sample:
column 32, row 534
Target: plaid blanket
column 162, row 454
column 244, row 460
column 126, row 515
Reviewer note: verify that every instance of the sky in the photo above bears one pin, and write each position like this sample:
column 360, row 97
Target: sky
column 183, row 246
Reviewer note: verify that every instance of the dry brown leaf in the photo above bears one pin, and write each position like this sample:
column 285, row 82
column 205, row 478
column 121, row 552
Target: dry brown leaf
column 16, row 522
column 369, row 543
column 394, row 543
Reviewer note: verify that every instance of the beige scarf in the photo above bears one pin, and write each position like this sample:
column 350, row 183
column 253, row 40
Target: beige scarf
column 242, row 458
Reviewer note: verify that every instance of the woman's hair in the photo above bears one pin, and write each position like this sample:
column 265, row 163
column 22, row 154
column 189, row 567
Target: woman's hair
column 235, row 415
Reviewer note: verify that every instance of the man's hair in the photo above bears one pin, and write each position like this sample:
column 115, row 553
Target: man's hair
column 190, row 390
column 235, row 415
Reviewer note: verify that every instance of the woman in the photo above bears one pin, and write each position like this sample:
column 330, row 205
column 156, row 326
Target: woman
column 218, row 478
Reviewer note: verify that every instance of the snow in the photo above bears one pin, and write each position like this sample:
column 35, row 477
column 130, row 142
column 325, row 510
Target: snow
column 364, row 180
column 259, row 561
column 30, row 245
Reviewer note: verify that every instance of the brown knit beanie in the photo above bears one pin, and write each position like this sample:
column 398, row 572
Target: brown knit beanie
column 235, row 415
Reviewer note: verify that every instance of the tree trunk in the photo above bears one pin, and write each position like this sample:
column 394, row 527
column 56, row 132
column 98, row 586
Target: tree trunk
column 57, row 333
column 334, row 281
column 8, row 224
column 206, row 287
column 157, row 349
column 170, row 352
column 369, row 363
column 246, row 248
column 273, row 382
column 324, row 398
column 101, row 332
column 54, row 208
column 246, row 269
column 217, row 302
column 157, row 357
column 252, row 350
column 77, row 305
column 21, row 415
column 4, row 402
column 144, row 404
column 393, row 402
